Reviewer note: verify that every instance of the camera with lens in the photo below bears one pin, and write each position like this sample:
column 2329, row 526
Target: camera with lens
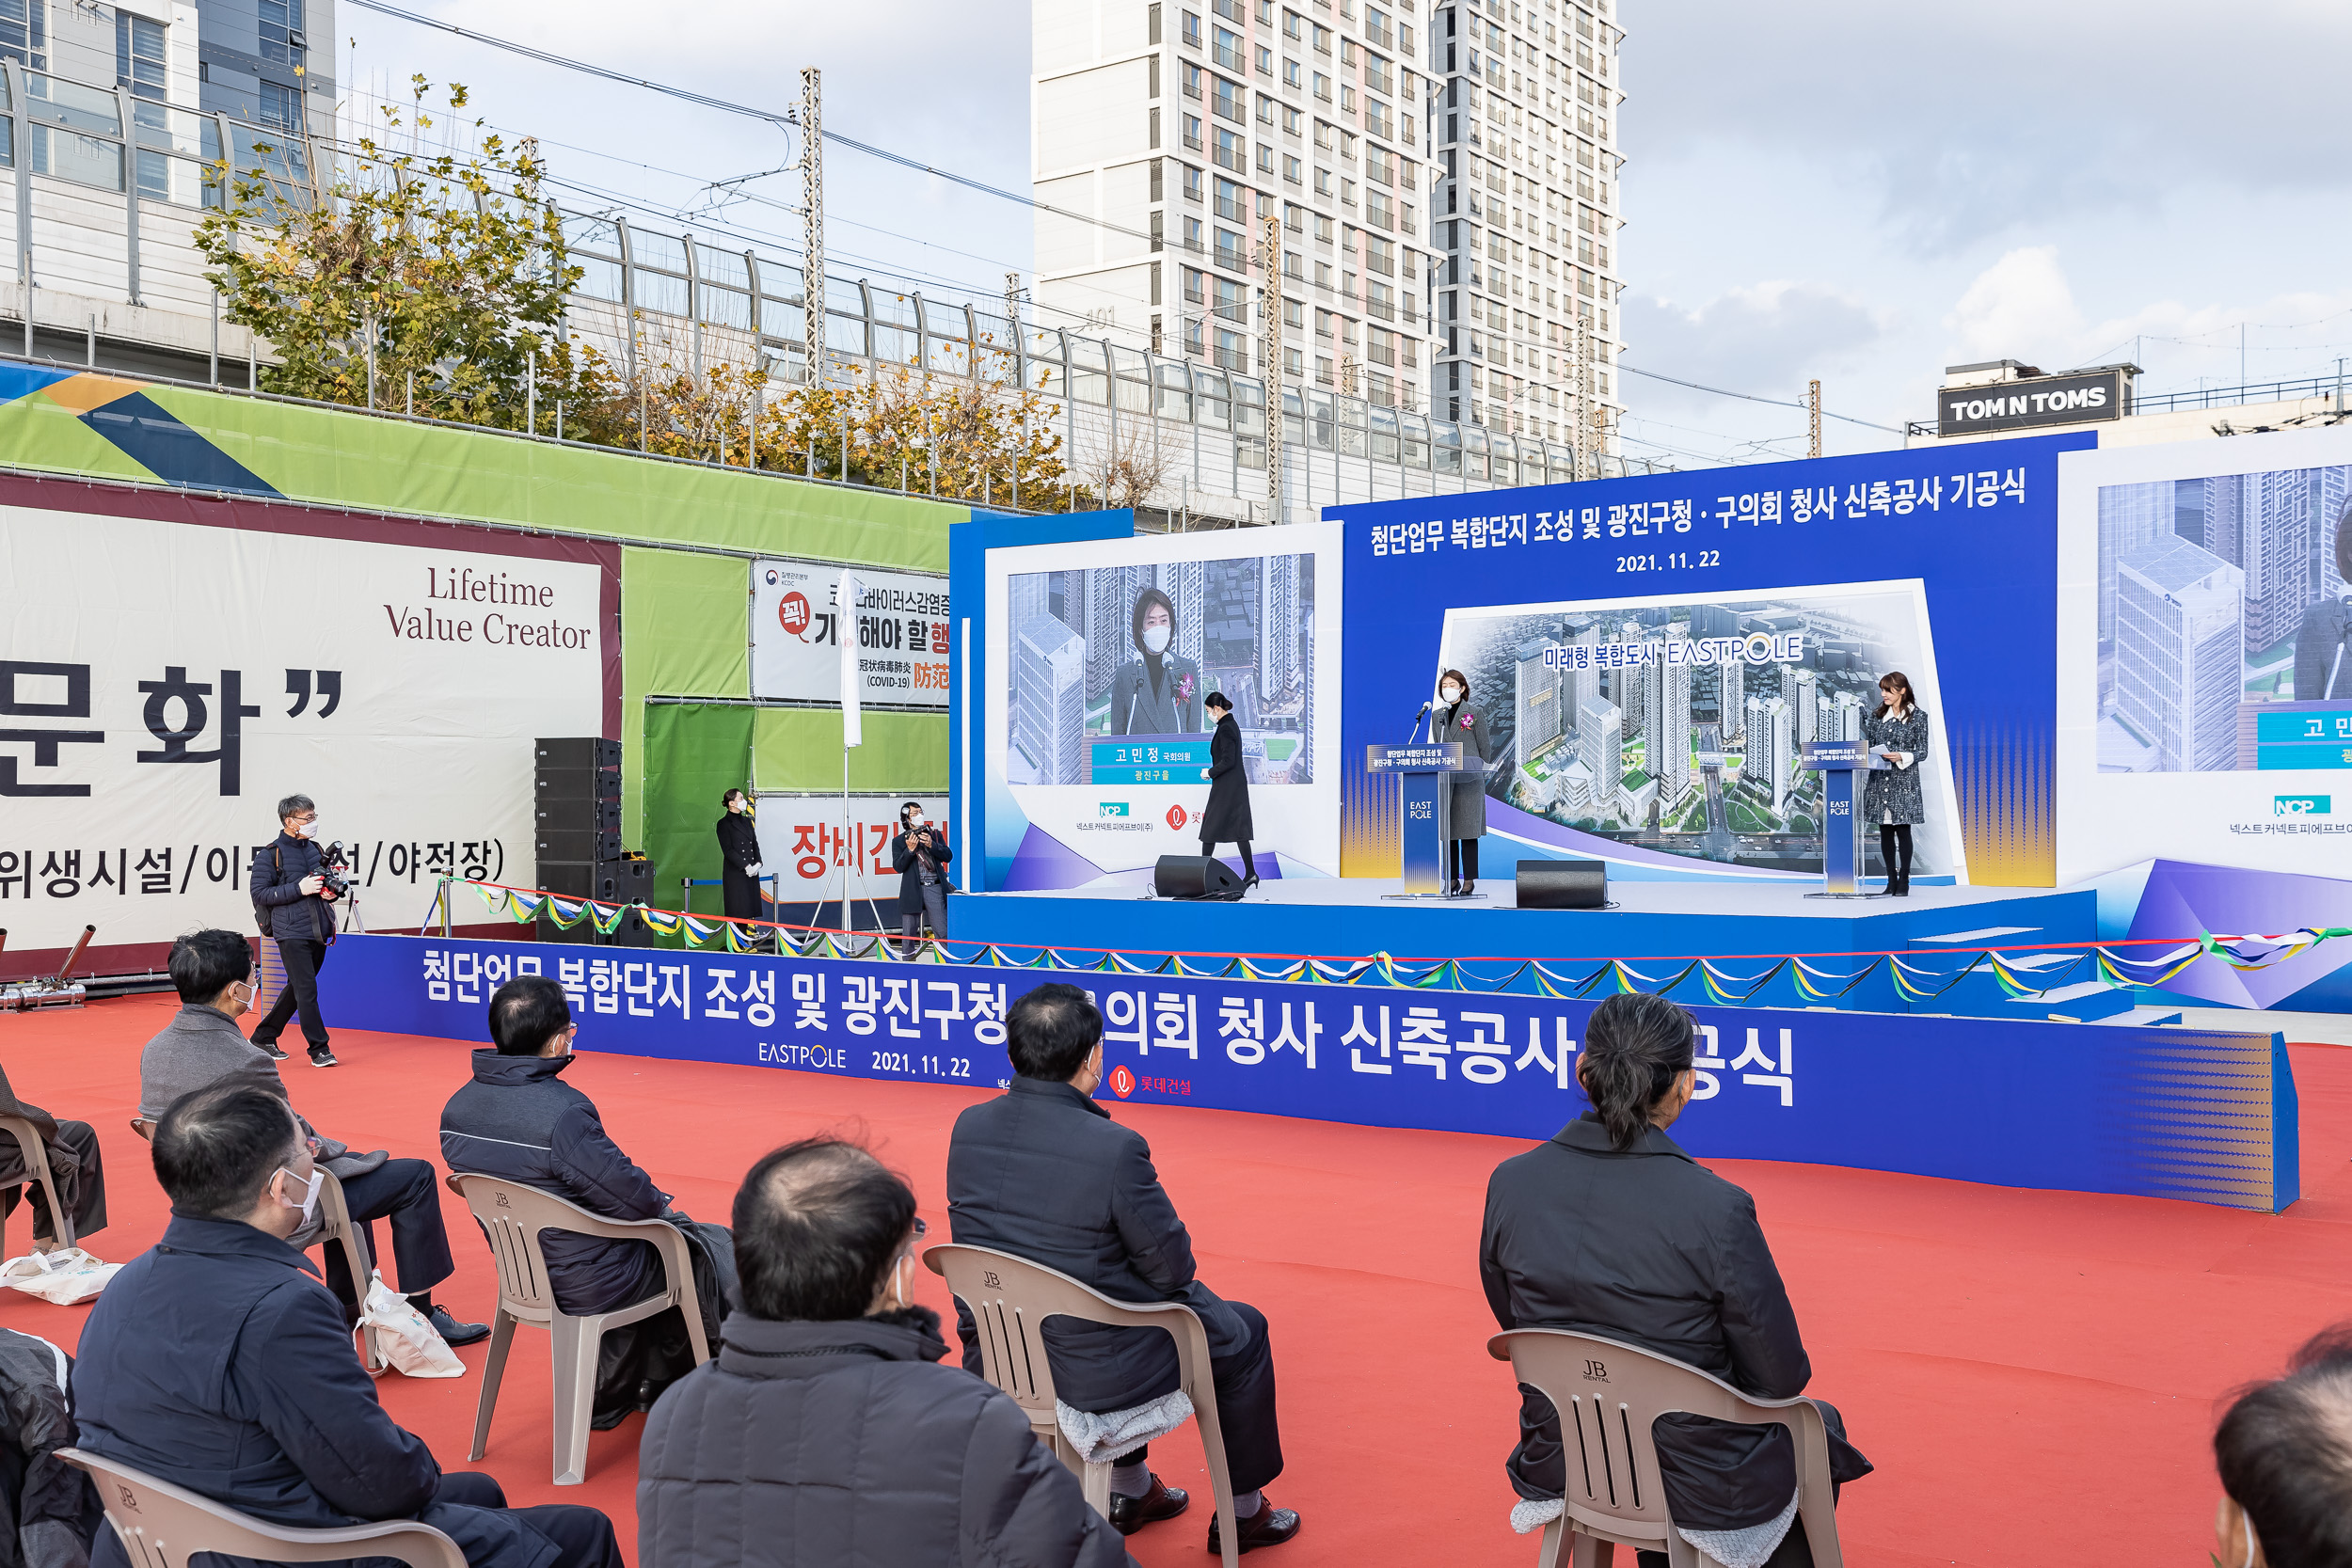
column 334, row 869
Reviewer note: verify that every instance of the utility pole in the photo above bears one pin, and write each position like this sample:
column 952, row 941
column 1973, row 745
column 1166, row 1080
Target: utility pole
column 1813, row 418
column 1012, row 307
column 1270, row 356
column 813, row 231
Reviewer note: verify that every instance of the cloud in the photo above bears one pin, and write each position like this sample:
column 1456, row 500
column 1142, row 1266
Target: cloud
column 1765, row 339
column 2019, row 308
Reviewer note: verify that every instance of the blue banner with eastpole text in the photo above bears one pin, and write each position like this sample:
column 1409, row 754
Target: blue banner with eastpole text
column 2164, row 1112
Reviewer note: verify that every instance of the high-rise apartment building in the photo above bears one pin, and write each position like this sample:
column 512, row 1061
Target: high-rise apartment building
column 1176, row 129
column 1442, row 179
column 1526, row 141
column 1049, row 700
column 2179, row 653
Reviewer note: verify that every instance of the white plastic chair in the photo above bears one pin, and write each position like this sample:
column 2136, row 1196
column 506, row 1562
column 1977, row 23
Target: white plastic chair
column 162, row 1526
column 1010, row 1298
column 1608, row 1393
column 513, row 1215
column 27, row 1138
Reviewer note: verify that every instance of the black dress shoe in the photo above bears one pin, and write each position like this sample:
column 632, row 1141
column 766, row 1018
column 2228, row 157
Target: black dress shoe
column 271, row 1046
column 1130, row 1515
column 1269, row 1526
column 455, row 1333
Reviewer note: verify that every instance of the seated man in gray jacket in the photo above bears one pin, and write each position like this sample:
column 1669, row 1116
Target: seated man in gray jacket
column 202, row 1046
column 825, row 1431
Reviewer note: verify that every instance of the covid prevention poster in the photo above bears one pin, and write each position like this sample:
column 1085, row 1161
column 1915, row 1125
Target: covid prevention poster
column 898, row 628
column 164, row 683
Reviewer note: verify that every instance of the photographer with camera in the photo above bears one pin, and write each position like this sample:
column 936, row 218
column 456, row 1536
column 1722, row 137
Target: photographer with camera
column 918, row 854
column 292, row 899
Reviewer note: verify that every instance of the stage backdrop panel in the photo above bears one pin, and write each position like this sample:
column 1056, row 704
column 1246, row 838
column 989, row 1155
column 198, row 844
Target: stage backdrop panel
column 1678, row 637
column 2161, row 1112
column 1093, row 770
column 163, row 684
column 2206, row 648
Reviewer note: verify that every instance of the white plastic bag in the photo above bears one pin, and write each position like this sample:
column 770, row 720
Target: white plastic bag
column 65, row 1275
column 407, row 1340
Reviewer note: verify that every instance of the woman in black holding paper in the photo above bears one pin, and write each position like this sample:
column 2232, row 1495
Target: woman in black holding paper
column 1456, row 722
column 1159, row 691
column 1891, row 797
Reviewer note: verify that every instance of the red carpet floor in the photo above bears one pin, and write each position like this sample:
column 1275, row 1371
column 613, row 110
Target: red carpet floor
column 2035, row 1373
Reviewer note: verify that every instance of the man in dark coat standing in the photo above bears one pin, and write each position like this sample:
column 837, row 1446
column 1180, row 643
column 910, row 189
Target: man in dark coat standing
column 1043, row 1172
column 1226, row 818
column 825, row 1435
column 919, row 854
column 290, row 895
column 738, row 857
column 515, row 1122
column 213, row 1363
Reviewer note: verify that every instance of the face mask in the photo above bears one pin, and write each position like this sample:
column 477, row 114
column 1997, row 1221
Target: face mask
column 308, row 830
column 1155, row 639
column 1451, row 693
column 240, row 1005
column 918, row 822
column 309, row 1204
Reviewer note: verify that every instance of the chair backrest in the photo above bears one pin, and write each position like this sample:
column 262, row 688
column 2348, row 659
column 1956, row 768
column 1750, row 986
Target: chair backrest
column 162, row 1526
column 144, row 1127
column 1608, row 1393
column 512, row 1214
column 28, row 1142
column 1010, row 1298
column 335, row 1215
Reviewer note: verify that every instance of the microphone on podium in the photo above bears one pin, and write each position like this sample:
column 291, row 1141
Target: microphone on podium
column 1419, row 716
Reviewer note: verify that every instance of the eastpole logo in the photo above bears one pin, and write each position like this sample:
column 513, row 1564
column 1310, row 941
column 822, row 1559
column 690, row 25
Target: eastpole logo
column 1111, row 808
column 1176, row 817
column 2302, row 805
column 1123, row 1081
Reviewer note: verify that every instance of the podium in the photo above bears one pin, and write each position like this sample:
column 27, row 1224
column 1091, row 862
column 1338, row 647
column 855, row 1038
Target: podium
column 1837, row 762
column 1424, row 776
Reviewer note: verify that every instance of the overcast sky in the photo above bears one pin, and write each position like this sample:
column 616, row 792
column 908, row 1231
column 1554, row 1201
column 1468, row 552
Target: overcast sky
column 1859, row 191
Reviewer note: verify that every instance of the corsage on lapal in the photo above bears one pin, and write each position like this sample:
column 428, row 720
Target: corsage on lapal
column 1184, row 686
column 1465, row 720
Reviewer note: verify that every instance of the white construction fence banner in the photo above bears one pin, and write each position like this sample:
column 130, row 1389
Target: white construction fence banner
column 898, row 628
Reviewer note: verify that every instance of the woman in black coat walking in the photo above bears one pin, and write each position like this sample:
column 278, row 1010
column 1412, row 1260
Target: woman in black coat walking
column 1611, row 1230
column 1226, row 818
column 738, row 857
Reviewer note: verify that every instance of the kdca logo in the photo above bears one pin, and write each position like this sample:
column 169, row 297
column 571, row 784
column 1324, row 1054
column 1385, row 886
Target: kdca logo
column 2302, row 805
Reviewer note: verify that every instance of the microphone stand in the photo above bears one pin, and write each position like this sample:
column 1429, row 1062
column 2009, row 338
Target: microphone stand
column 1415, row 733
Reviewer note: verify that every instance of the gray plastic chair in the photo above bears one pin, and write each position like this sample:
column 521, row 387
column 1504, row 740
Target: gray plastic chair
column 1608, row 1393
column 27, row 1138
column 335, row 1225
column 513, row 1215
column 162, row 1526
column 1010, row 1298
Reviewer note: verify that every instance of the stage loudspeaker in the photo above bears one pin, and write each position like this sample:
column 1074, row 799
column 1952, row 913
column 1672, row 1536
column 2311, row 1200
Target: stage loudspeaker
column 1564, row 884
column 1194, row 876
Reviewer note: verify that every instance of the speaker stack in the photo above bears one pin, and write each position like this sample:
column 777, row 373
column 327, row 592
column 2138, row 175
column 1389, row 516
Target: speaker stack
column 577, row 794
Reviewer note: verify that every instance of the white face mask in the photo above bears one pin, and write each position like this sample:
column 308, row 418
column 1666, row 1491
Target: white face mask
column 306, row 829
column 239, row 1006
column 1155, row 639
column 1451, row 693
column 309, row 1204
column 918, row 821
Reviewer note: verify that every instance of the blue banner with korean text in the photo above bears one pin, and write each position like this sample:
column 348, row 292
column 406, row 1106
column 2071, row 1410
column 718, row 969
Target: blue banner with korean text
column 2167, row 1113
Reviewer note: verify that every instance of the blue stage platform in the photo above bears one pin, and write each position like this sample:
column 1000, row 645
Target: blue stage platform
column 1660, row 922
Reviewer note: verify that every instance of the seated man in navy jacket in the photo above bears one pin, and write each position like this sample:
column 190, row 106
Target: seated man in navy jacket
column 219, row 1362
column 1043, row 1173
column 516, row 1122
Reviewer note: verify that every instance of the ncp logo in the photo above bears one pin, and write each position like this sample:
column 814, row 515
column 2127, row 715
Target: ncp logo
column 1123, row 1081
column 1176, row 817
column 2302, row 805
column 792, row 614
column 1110, row 808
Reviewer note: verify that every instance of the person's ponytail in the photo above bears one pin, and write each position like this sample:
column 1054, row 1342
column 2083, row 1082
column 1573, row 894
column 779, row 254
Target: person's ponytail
column 1635, row 1047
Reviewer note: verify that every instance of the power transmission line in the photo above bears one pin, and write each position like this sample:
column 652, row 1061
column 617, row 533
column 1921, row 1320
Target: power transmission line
column 1750, row 396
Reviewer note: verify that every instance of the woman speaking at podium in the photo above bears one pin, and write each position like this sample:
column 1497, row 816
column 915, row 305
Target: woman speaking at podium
column 1891, row 796
column 1157, row 693
column 1456, row 722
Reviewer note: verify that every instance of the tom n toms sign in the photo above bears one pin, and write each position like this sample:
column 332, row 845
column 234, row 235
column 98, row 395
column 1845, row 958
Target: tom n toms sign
column 2023, row 405
column 898, row 629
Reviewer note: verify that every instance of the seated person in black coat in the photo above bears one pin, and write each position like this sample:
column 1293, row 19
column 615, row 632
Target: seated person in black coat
column 825, row 1432
column 1043, row 1173
column 1611, row 1230
column 219, row 1362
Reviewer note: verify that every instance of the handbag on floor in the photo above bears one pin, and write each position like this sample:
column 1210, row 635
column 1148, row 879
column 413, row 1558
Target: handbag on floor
column 64, row 1275
column 408, row 1342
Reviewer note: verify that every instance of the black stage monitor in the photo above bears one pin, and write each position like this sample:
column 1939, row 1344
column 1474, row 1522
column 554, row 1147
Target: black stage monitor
column 1564, row 884
column 1194, row 876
